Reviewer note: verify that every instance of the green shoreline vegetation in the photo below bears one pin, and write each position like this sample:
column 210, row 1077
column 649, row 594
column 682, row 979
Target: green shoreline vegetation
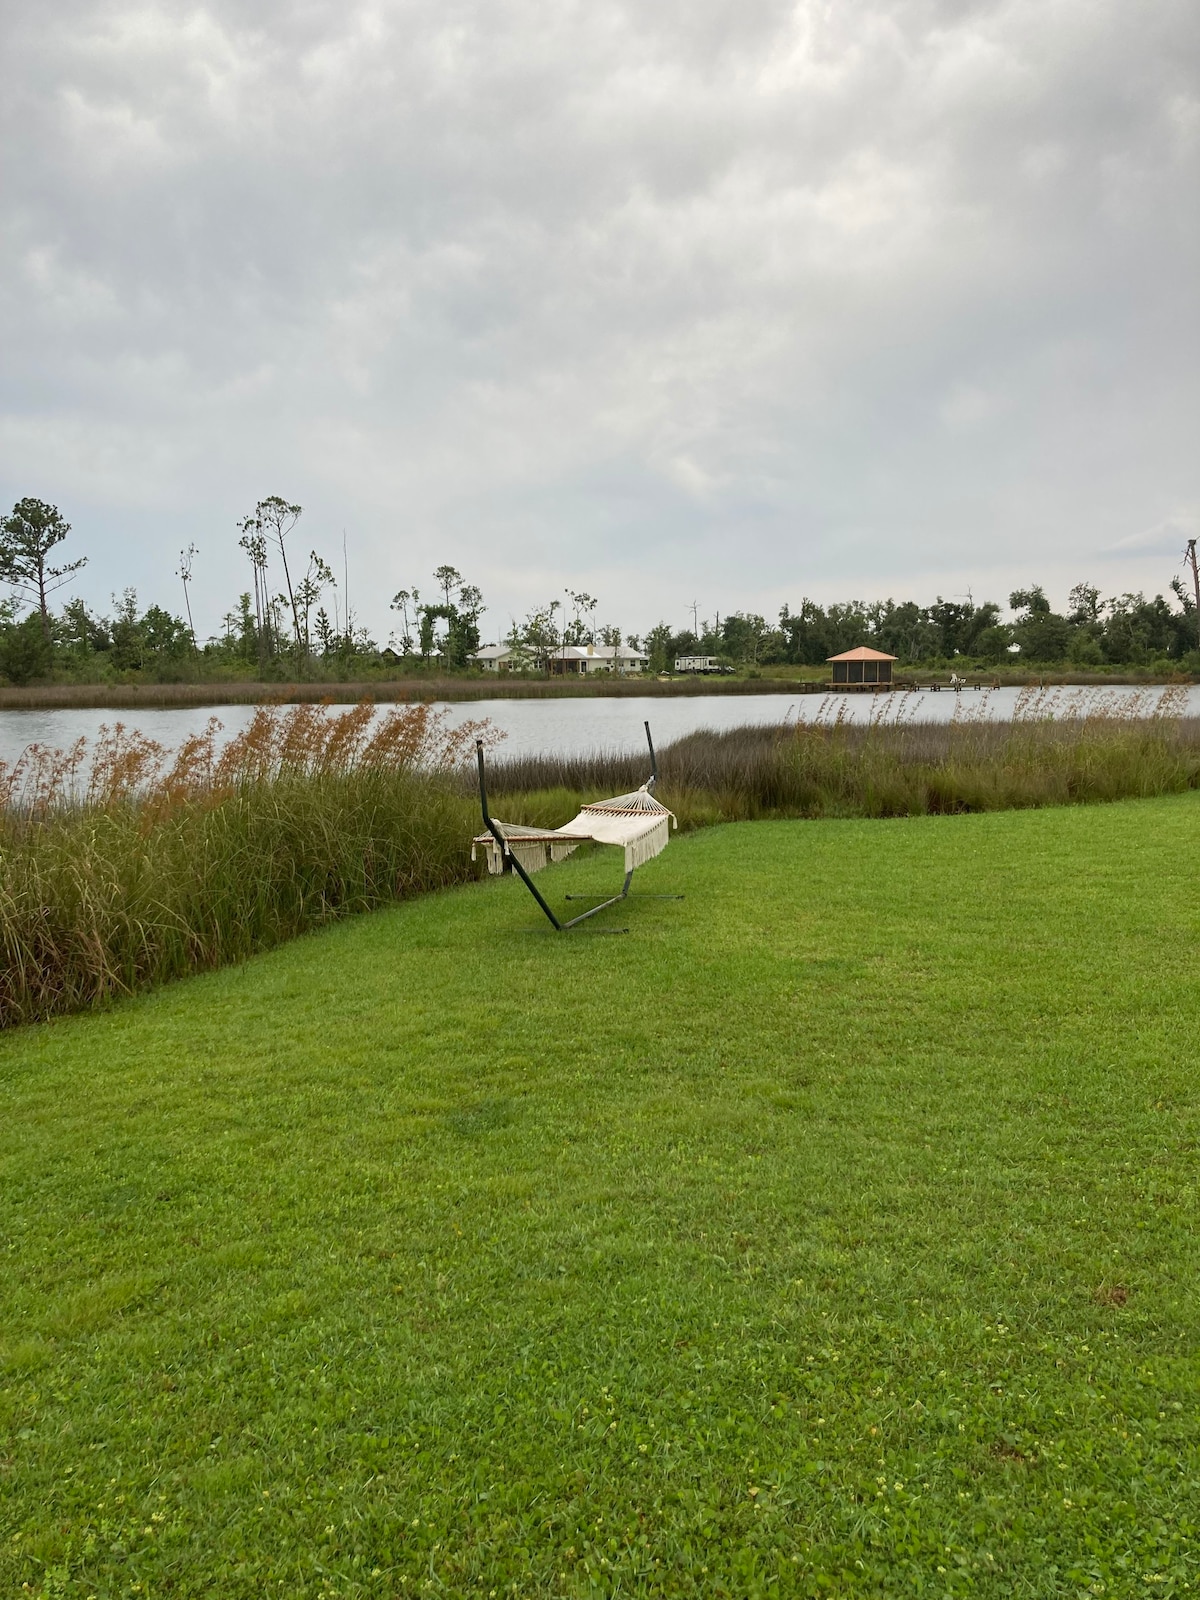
column 294, row 629
column 132, row 865
column 833, row 1233
column 132, row 691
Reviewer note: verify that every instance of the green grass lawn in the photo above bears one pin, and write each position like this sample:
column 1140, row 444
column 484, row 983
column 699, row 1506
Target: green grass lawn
column 834, row 1232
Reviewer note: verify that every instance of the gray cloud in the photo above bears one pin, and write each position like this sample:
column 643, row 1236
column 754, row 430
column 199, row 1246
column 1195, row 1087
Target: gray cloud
column 741, row 301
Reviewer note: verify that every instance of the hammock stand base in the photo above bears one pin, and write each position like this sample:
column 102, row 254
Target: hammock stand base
column 515, row 866
column 633, row 894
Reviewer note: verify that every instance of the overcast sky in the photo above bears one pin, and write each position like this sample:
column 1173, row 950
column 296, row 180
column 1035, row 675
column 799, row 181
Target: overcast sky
column 726, row 300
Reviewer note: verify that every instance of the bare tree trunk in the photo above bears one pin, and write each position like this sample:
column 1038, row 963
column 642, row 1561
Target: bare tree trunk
column 186, row 558
column 45, row 609
column 287, row 578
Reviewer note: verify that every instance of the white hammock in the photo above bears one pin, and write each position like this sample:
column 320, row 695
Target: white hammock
column 637, row 821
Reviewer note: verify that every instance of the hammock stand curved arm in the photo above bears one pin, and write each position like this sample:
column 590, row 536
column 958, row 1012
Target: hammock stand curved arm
column 515, row 865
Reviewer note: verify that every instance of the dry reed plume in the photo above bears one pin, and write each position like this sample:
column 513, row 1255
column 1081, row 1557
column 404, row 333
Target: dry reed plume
column 136, row 865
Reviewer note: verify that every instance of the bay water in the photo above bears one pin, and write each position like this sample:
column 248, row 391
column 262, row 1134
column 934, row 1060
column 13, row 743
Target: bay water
column 580, row 726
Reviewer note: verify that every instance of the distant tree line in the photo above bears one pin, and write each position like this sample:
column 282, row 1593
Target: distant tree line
column 1125, row 630
column 294, row 620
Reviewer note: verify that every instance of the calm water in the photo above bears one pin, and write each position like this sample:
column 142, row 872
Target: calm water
column 575, row 727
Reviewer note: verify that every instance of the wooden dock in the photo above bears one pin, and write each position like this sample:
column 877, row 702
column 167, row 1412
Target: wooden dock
column 829, row 687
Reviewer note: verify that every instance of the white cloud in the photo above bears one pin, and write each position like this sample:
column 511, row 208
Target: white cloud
column 757, row 300
column 1166, row 538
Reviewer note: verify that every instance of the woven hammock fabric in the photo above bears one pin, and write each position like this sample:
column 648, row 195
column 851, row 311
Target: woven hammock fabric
column 637, row 821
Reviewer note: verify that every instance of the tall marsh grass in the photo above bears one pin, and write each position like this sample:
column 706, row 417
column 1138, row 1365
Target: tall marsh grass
column 125, row 866
column 1054, row 751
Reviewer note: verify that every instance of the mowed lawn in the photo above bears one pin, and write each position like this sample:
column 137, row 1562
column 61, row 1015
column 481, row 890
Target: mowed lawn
column 833, row 1232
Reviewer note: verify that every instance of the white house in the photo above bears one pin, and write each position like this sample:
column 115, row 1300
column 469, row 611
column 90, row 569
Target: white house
column 601, row 658
column 581, row 658
column 498, row 658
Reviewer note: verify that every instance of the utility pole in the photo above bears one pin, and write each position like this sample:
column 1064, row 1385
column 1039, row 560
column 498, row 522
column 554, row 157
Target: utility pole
column 694, row 608
column 1189, row 556
column 349, row 635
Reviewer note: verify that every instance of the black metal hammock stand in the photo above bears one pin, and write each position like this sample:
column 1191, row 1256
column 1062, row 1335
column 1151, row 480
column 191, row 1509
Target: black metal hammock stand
column 637, row 822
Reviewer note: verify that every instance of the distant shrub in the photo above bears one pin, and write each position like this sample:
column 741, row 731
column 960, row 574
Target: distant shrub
column 24, row 650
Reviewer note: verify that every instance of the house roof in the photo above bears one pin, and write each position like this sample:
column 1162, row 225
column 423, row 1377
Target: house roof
column 596, row 652
column 571, row 652
column 862, row 654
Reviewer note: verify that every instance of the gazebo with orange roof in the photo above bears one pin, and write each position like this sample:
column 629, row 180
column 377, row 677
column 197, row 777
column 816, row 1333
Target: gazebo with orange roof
column 862, row 666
